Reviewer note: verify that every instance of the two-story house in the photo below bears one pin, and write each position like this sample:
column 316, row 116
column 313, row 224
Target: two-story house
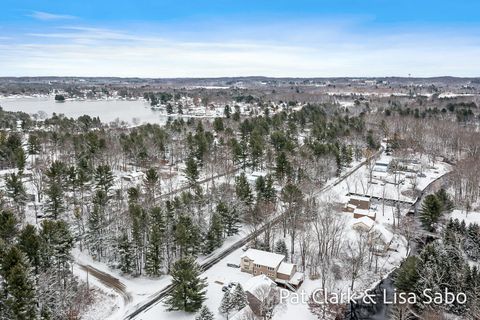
column 272, row 265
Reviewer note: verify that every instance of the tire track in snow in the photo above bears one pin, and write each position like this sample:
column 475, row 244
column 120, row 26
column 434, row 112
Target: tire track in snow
column 109, row 281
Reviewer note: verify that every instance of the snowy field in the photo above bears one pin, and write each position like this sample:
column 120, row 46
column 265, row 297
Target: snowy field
column 462, row 215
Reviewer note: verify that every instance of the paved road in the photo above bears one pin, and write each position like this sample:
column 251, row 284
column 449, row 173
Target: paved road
column 184, row 188
column 159, row 296
column 109, row 281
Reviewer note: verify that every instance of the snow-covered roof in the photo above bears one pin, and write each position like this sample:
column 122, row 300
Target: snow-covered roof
column 264, row 258
column 297, row 278
column 364, row 212
column 285, row 268
column 380, row 168
column 360, row 198
column 385, row 235
column 364, row 220
column 258, row 284
column 383, row 162
column 136, row 174
column 259, row 173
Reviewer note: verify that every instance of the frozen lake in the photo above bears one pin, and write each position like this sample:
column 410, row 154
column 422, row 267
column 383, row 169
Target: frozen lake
column 107, row 110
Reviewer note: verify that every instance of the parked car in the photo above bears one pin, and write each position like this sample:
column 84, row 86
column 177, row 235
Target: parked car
column 233, row 265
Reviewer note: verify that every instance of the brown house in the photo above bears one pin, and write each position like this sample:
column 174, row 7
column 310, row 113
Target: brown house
column 359, row 202
column 360, row 207
column 272, row 265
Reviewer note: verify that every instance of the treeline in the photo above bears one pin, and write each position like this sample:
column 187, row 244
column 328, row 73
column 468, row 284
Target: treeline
column 36, row 280
column 442, row 266
column 468, row 236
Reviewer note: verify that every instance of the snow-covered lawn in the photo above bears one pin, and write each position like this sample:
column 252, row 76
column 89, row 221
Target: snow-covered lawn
column 461, row 215
column 139, row 288
column 216, row 276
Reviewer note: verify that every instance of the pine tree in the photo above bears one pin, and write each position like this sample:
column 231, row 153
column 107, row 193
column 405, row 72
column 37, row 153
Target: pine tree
column 226, row 306
column 56, row 242
column 154, row 256
column 407, row 275
column 33, row 144
column 269, row 192
column 126, row 254
column 214, row 238
column 133, row 195
column 346, row 155
column 260, row 186
column 104, row 178
column 96, row 230
column 236, row 150
column 21, row 290
column 19, row 286
column 257, row 146
column 55, row 199
column 8, row 226
column 191, row 171
column 186, row 235
column 281, row 248
column 151, row 181
column 55, row 188
column 471, row 243
column 229, row 217
column 242, row 189
column 16, row 190
column 442, row 196
column 218, row 125
column 431, row 211
column 139, row 221
column 204, row 314
column 30, row 243
column 20, row 159
column 238, row 297
column 227, row 111
column 282, row 166
column 188, row 288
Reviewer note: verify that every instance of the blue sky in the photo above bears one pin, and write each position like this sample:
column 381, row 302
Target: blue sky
column 239, row 38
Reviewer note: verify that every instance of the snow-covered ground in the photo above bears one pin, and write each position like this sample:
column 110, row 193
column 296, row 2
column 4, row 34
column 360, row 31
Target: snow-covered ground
column 216, row 276
column 140, row 288
column 462, row 215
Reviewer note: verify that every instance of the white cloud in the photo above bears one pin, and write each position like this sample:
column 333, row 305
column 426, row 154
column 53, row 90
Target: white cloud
column 47, row 16
column 84, row 51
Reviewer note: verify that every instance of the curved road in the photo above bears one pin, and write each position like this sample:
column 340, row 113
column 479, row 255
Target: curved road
column 109, row 281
